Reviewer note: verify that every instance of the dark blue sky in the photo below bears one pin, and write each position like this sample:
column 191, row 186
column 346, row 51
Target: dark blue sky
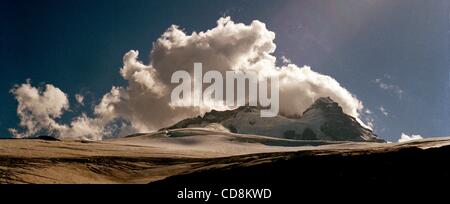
column 78, row 47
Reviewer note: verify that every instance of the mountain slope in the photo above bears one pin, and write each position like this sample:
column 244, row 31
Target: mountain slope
column 323, row 120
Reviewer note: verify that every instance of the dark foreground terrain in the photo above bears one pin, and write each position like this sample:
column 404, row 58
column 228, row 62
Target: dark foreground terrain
column 409, row 164
column 295, row 173
column 170, row 165
column 203, row 156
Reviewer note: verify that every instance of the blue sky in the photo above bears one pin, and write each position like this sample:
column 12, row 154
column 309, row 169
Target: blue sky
column 390, row 54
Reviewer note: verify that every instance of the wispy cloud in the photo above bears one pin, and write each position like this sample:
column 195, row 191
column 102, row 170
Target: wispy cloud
column 383, row 111
column 367, row 117
column 382, row 84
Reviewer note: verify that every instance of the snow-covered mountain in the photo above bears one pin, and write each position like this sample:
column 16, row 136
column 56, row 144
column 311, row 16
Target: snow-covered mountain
column 323, row 120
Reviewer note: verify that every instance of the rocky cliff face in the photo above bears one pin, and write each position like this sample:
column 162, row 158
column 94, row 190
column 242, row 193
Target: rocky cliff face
column 323, row 120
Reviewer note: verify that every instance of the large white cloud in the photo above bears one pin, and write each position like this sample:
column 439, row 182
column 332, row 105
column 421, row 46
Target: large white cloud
column 144, row 104
column 37, row 109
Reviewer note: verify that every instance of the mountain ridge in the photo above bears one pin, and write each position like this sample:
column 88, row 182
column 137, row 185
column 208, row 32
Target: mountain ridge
column 323, row 120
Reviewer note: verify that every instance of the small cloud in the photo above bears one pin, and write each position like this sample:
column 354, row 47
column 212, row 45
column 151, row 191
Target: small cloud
column 388, row 86
column 383, row 111
column 405, row 138
column 285, row 60
column 368, row 118
column 80, row 99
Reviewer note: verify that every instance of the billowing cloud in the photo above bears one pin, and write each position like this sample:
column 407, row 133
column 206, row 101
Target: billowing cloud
column 144, row 104
column 404, row 137
column 39, row 108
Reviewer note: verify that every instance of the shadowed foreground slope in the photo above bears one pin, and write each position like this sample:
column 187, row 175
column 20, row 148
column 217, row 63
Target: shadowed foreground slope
column 199, row 156
column 415, row 162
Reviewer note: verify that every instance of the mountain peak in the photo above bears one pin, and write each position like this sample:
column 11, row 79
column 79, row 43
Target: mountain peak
column 323, row 120
column 325, row 104
column 324, row 100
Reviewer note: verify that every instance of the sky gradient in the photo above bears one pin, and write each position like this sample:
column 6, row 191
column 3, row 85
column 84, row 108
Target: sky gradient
column 393, row 56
